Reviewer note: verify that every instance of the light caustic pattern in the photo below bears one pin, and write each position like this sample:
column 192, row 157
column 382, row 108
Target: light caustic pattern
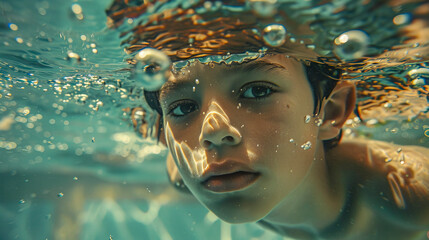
column 195, row 161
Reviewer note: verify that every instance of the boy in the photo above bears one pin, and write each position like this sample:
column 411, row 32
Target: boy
column 252, row 141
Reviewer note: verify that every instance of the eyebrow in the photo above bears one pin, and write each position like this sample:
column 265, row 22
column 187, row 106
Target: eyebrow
column 170, row 86
column 249, row 67
column 261, row 65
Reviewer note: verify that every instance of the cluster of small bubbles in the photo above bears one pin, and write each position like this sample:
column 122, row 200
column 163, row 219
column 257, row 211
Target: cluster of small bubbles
column 307, row 118
column 351, row 45
column 306, row 145
column 274, row 35
column 150, row 68
column 8, row 145
column 402, row 19
column 264, row 8
column 77, row 10
column 318, row 122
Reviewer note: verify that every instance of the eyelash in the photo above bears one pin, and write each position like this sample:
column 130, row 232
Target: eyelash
column 177, row 104
column 248, row 86
column 242, row 90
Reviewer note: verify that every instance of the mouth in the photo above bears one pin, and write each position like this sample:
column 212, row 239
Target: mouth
column 230, row 182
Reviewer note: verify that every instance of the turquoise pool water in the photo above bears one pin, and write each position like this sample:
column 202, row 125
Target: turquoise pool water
column 71, row 164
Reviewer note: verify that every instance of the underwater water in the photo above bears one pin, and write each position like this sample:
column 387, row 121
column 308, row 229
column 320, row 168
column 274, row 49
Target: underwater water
column 72, row 165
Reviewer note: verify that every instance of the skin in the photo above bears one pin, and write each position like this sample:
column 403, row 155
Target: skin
column 249, row 115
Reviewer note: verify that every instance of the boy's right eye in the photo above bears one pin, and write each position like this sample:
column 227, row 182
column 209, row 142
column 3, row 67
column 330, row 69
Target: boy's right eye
column 182, row 108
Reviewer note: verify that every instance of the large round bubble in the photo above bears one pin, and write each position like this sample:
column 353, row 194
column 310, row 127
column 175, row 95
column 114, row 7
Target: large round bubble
column 274, row 35
column 150, row 68
column 351, row 45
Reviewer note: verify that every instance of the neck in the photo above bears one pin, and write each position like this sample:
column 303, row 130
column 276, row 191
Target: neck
column 313, row 206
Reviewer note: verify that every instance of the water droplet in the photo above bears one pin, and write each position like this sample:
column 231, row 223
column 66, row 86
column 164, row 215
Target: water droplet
column 60, row 194
column 75, row 178
column 22, row 201
column 264, row 8
column 399, row 150
column 93, row 139
column 306, row 145
column 197, row 81
column 291, row 140
column 193, row 89
column 351, row 44
column 387, row 160
column 274, row 35
column 307, row 118
column 150, row 69
column 318, row 122
column 238, row 105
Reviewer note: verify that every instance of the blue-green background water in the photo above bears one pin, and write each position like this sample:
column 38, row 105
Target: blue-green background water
column 71, row 164
column 72, row 169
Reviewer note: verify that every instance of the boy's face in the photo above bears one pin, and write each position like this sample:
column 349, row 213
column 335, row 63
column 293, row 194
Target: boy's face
column 236, row 133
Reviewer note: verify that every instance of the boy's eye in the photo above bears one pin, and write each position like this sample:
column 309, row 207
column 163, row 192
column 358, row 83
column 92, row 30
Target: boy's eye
column 182, row 109
column 257, row 92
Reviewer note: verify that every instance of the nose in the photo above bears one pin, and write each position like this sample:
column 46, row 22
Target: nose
column 217, row 130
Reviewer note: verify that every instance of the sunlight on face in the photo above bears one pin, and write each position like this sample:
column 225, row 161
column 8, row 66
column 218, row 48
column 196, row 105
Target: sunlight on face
column 235, row 133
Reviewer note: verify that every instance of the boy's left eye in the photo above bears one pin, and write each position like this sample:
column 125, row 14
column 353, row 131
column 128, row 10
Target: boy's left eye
column 257, row 92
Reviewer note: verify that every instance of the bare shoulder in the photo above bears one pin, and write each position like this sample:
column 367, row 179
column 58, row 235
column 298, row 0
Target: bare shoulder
column 392, row 179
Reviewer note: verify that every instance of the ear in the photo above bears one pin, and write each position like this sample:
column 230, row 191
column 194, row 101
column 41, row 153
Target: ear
column 336, row 109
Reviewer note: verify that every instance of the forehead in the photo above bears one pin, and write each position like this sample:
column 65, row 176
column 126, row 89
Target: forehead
column 269, row 65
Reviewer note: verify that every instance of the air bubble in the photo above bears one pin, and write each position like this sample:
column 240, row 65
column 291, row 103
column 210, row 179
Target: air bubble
column 13, row 27
column 274, row 35
column 60, row 195
column 306, row 145
column 264, row 8
column 73, row 57
column 150, row 68
column 351, row 45
column 402, row 19
column 77, row 10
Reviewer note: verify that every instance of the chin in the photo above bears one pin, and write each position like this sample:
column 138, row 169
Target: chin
column 239, row 214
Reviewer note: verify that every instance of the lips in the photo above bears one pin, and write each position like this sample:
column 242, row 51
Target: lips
column 228, row 176
column 230, row 182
